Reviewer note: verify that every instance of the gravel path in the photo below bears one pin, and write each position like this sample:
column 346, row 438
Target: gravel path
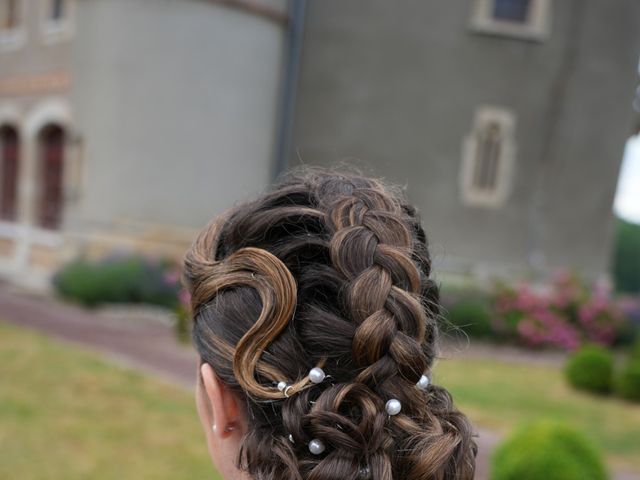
column 137, row 341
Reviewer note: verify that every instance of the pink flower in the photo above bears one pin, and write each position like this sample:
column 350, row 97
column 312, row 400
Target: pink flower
column 563, row 315
column 171, row 277
column 185, row 298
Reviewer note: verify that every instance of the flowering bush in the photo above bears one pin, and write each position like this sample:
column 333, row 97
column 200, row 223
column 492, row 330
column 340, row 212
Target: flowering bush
column 183, row 315
column 565, row 314
column 181, row 303
column 118, row 279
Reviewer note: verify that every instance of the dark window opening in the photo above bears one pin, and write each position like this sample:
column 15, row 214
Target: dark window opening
column 9, row 146
column 52, row 140
column 9, row 14
column 511, row 10
column 58, row 9
column 489, row 146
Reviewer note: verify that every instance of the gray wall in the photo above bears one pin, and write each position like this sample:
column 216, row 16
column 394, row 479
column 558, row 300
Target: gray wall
column 395, row 84
column 176, row 102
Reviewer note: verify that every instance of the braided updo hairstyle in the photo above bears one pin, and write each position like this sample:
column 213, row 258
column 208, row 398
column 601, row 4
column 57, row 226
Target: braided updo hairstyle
column 327, row 269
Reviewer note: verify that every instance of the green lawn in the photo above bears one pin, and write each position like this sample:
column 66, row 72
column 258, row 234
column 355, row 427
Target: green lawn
column 499, row 395
column 67, row 414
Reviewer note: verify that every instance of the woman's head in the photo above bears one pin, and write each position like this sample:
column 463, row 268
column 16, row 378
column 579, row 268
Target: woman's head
column 325, row 270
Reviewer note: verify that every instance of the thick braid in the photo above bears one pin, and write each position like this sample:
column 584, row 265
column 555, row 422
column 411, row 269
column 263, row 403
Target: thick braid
column 379, row 246
column 384, row 284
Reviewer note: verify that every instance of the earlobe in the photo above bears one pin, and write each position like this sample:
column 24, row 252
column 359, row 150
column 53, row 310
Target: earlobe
column 221, row 403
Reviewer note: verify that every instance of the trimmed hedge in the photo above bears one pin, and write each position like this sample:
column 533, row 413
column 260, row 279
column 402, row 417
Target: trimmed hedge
column 547, row 451
column 626, row 256
column 628, row 380
column 123, row 279
column 472, row 316
column 591, row 369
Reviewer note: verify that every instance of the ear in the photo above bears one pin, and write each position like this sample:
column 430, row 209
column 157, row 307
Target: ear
column 222, row 403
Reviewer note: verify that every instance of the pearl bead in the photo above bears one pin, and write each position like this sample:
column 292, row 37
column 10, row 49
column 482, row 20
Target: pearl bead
column 316, row 375
column 393, row 407
column 291, row 439
column 316, row 446
column 282, row 386
column 364, row 472
column 423, row 383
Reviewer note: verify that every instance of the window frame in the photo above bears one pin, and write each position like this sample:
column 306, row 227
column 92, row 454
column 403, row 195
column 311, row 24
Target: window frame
column 15, row 37
column 536, row 28
column 471, row 195
column 57, row 30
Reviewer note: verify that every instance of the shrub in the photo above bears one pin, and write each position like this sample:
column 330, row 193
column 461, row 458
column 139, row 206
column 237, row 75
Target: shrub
column 591, row 369
column 626, row 256
column 547, row 451
column 471, row 315
column 630, row 333
column 628, row 380
column 122, row 279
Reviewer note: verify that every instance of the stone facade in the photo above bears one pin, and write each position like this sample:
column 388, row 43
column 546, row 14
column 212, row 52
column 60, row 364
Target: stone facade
column 508, row 131
column 168, row 113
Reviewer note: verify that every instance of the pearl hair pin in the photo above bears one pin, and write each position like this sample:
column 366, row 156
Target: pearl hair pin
column 316, row 375
column 393, row 406
column 316, row 446
column 423, row 383
column 364, row 473
column 284, row 388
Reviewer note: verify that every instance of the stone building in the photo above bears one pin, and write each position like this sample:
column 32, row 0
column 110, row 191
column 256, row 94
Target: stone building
column 506, row 119
column 127, row 124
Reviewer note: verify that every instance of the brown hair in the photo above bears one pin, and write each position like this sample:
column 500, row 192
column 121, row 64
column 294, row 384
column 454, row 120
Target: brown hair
column 327, row 269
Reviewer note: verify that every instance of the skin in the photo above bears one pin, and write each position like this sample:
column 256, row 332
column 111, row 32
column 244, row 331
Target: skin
column 223, row 422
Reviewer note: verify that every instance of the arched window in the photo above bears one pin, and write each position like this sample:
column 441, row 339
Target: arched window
column 51, row 142
column 9, row 153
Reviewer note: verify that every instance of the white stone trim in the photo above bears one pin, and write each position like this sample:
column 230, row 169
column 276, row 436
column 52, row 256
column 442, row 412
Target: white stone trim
column 53, row 110
column 537, row 27
column 35, row 235
column 54, row 31
column 10, row 115
column 494, row 198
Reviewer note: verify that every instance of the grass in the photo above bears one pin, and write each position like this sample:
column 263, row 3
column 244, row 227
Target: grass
column 498, row 395
column 67, row 414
